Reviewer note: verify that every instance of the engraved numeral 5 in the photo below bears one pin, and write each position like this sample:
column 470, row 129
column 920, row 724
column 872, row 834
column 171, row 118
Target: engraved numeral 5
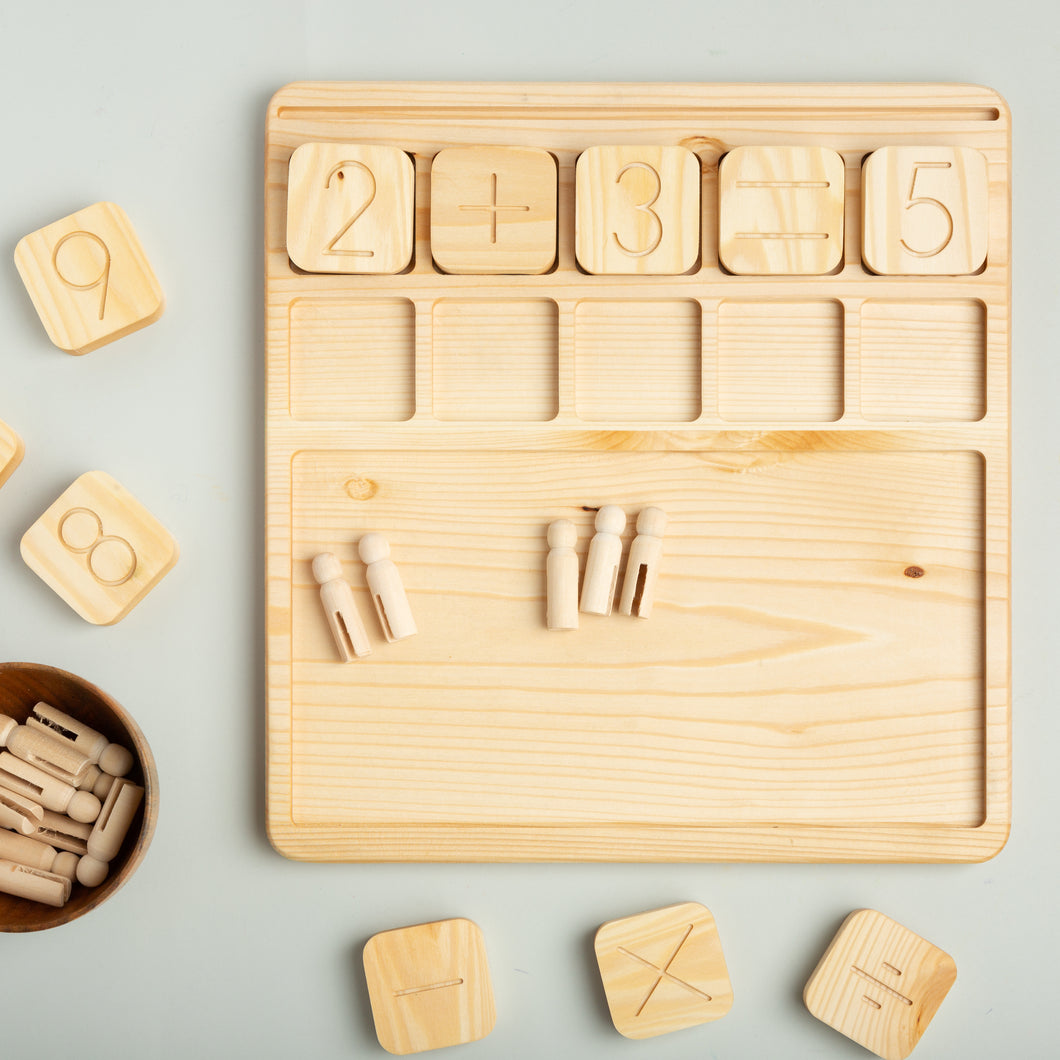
column 925, row 200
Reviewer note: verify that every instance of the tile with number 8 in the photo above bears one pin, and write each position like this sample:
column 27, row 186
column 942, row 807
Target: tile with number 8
column 350, row 208
column 99, row 549
column 89, row 278
column 925, row 211
column 637, row 210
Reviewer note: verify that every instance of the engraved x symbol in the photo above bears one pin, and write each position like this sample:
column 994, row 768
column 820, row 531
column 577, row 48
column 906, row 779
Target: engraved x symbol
column 664, row 971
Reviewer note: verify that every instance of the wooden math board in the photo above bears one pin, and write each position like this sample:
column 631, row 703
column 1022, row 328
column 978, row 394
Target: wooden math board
column 825, row 673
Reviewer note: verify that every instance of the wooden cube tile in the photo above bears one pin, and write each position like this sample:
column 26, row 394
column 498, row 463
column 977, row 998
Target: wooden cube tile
column 11, row 450
column 350, row 208
column 99, row 548
column 493, row 210
column 429, row 986
column 879, row 984
column 89, row 278
column 663, row 970
column 924, row 211
column 637, row 210
column 780, row 210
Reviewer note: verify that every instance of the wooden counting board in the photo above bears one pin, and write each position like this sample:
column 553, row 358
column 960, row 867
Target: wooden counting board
column 780, row 313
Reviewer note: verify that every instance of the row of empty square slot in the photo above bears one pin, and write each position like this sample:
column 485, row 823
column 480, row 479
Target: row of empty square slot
column 638, row 361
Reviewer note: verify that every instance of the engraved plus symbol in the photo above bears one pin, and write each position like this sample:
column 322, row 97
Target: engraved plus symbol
column 493, row 207
column 110, row 559
column 880, row 985
column 664, row 971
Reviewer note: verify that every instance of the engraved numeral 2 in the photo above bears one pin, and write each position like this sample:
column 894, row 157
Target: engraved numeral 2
column 338, row 172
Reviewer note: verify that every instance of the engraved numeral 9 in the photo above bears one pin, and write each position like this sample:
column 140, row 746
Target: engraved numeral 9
column 100, row 280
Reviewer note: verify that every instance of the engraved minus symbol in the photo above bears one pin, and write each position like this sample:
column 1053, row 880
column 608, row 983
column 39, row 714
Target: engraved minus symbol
column 430, row 986
column 664, row 971
column 492, row 206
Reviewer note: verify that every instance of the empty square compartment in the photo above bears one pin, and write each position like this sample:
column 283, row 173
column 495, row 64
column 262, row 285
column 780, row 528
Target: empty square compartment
column 352, row 360
column 780, row 361
column 496, row 361
column 638, row 361
column 923, row 360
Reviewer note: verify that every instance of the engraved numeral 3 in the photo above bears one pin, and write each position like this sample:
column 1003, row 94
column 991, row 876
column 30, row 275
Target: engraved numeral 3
column 645, row 207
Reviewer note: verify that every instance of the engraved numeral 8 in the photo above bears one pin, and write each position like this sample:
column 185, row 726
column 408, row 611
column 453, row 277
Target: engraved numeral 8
column 118, row 556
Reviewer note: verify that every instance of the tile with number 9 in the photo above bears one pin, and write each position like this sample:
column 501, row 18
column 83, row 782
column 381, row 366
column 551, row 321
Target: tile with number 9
column 89, row 278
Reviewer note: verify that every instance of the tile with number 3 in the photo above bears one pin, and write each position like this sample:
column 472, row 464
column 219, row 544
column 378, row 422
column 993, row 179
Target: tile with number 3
column 637, row 210
column 89, row 278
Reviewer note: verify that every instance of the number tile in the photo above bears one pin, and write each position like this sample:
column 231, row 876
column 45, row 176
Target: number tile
column 89, row 278
column 663, row 971
column 637, row 210
column 350, row 208
column 924, row 211
column 429, row 986
column 11, row 450
column 493, row 210
column 879, row 984
column 99, row 549
column 780, row 210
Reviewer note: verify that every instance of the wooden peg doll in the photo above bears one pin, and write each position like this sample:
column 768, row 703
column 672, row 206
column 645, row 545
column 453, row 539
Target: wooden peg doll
column 46, row 790
column 561, row 576
column 59, row 758
column 601, row 566
column 642, row 567
column 25, row 882
column 109, row 831
column 388, row 592
column 110, row 757
column 19, row 813
column 336, row 596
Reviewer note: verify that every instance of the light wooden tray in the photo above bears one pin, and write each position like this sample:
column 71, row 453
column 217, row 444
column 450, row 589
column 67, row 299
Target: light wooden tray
column 825, row 675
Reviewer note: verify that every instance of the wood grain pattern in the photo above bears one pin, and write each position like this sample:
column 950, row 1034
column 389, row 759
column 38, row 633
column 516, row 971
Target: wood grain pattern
column 12, row 450
column 780, row 210
column 429, row 986
column 349, row 208
column 825, row 672
column 99, row 548
column 89, row 278
column 925, row 210
column 493, row 210
column 879, row 984
column 637, row 209
column 663, row 971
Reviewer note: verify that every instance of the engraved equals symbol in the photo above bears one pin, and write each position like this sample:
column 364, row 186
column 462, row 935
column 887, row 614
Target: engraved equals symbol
column 890, row 991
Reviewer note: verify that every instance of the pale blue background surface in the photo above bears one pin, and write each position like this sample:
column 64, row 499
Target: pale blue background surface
column 219, row 947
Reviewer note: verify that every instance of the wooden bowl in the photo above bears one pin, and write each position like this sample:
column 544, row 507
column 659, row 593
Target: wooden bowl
column 22, row 686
